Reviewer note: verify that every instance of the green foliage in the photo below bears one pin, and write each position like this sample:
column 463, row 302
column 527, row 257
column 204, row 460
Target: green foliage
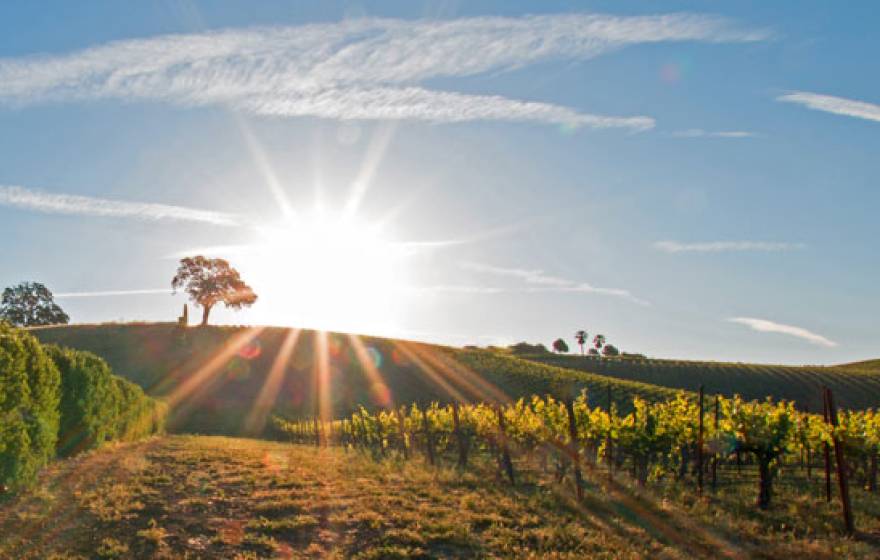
column 650, row 439
column 212, row 281
column 526, row 348
column 29, row 397
column 65, row 401
column 30, row 304
column 87, row 388
column 560, row 346
column 97, row 406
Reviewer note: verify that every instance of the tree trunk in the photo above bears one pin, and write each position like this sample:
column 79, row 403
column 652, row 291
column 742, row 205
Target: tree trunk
column 765, row 484
column 206, row 310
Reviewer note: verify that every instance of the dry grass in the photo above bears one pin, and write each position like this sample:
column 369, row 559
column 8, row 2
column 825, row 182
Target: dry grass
column 215, row 497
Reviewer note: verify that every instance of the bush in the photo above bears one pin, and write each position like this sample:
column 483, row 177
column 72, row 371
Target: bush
column 63, row 401
column 87, row 390
column 97, row 406
column 29, row 399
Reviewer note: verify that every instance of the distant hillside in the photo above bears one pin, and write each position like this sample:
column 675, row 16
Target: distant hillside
column 854, row 387
column 867, row 366
column 213, row 376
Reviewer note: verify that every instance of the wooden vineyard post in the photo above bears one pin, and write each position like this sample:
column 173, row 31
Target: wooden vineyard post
column 401, row 422
column 505, row 450
column 842, row 481
column 715, row 454
column 700, row 447
column 608, row 444
column 826, row 448
column 429, row 441
column 459, row 437
column 573, row 451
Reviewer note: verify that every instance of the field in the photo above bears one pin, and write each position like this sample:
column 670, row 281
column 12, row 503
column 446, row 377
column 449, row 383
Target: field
column 209, row 497
column 160, row 358
column 392, row 481
column 856, row 386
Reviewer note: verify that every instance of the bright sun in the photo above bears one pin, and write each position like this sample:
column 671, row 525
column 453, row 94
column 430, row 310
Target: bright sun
column 326, row 273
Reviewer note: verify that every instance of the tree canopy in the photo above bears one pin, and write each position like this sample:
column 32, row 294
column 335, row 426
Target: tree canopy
column 560, row 346
column 31, row 304
column 212, row 281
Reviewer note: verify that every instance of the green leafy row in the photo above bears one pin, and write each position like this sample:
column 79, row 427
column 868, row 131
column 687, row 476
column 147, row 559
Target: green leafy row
column 653, row 441
column 56, row 401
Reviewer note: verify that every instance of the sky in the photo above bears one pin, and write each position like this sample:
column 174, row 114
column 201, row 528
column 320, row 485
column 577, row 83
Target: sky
column 691, row 179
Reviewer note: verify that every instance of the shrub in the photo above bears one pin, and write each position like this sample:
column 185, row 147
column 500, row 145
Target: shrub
column 88, row 393
column 29, row 399
column 98, row 406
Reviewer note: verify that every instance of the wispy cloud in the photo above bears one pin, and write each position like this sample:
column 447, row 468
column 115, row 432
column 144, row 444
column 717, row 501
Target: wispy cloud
column 538, row 281
column 109, row 293
column 355, row 69
column 725, row 246
column 836, row 105
column 700, row 133
column 457, row 289
column 54, row 203
column 763, row 325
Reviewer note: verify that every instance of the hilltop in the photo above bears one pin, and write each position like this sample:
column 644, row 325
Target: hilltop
column 866, row 365
column 214, row 375
column 217, row 373
column 855, row 386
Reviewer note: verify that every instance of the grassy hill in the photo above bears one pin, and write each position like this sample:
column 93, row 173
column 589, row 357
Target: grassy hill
column 854, row 385
column 213, row 376
column 867, row 366
column 216, row 497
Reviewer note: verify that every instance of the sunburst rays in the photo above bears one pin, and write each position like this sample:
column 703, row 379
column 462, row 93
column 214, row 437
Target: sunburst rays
column 255, row 422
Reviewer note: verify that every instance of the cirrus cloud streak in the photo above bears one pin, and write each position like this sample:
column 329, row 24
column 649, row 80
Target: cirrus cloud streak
column 725, row 246
column 835, row 105
column 355, row 69
column 55, row 203
column 763, row 325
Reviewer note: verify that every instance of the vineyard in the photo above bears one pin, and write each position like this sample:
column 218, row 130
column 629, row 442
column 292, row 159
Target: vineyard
column 856, row 386
column 676, row 440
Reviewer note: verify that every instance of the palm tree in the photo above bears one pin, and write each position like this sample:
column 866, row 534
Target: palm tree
column 581, row 337
column 599, row 341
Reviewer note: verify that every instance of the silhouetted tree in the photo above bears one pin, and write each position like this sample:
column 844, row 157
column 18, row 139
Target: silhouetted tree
column 610, row 350
column 560, row 346
column 599, row 341
column 593, row 352
column 526, row 348
column 212, row 281
column 581, row 337
column 30, row 304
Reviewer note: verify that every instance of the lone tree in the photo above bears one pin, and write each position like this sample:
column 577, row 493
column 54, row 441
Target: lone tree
column 599, row 341
column 610, row 350
column 30, row 304
column 581, row 337
column 560, row 346
column 212, row 281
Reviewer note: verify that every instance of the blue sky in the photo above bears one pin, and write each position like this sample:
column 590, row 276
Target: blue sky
column 693, row 180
